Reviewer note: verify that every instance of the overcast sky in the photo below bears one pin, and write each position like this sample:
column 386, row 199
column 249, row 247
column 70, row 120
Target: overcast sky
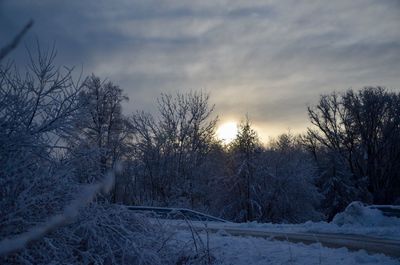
column 269, row 59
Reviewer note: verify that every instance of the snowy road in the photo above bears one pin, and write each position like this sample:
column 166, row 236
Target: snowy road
column 249, row 250
column 372, row 245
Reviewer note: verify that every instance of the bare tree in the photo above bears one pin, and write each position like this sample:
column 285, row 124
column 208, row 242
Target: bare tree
column 100, row 133
column 37, row 109
column 172, row 147
column 362, row 129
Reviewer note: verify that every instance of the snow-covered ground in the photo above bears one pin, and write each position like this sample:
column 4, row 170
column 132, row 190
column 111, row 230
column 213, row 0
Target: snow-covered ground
column 356, row 219
column 232, row 250
column 248, row 250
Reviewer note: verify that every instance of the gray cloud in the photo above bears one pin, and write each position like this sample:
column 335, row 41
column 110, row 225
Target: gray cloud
column 269, row 59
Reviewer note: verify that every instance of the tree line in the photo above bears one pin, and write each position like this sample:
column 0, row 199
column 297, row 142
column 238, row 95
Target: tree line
column 57, row 133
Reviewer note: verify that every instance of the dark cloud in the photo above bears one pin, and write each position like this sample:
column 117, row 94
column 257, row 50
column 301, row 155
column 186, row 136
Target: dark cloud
column 266, row 59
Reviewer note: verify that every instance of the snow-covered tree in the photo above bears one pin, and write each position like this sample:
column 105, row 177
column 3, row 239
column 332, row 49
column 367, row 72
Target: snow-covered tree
column 362, row 128
column 46, row 217
column 37, row 109
column 172, row 149
column 101, row 133
column 245, row 151
column 289, row 192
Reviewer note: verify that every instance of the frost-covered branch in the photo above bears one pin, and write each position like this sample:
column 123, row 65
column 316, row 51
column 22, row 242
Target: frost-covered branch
column 70, row 212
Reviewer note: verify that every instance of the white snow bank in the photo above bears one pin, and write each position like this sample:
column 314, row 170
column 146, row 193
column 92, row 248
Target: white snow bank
column 356, row 219
column 357, row 214
column 256, row 251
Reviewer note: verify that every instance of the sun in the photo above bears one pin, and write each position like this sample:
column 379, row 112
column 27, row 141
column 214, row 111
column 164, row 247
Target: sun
column 227, row 131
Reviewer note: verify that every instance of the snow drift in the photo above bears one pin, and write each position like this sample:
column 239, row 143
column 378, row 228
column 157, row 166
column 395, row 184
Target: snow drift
column 356, row 213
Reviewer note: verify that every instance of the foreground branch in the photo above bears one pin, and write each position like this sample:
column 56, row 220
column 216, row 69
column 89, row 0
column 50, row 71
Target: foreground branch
column 88, row 194
column 14, row 43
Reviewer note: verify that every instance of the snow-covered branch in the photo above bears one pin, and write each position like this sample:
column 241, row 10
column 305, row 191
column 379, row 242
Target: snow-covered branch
column 70, row 212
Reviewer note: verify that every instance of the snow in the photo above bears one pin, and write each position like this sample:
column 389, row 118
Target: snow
column 356, row 219
column 252, row 251
column 71, row 212
column 357, row 214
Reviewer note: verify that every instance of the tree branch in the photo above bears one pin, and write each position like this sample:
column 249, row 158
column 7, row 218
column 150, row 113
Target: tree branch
column 14, row 43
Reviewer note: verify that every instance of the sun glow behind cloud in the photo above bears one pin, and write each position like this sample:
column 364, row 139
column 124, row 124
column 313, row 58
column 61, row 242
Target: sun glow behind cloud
column 227, row 131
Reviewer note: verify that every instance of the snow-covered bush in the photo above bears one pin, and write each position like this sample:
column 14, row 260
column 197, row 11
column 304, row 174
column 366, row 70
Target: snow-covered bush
column 102, row 234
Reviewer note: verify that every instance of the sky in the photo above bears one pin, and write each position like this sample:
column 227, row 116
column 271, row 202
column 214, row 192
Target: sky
column 267, row 59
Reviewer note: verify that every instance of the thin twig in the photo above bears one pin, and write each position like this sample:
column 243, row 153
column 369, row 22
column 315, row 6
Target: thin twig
column 14, row 43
